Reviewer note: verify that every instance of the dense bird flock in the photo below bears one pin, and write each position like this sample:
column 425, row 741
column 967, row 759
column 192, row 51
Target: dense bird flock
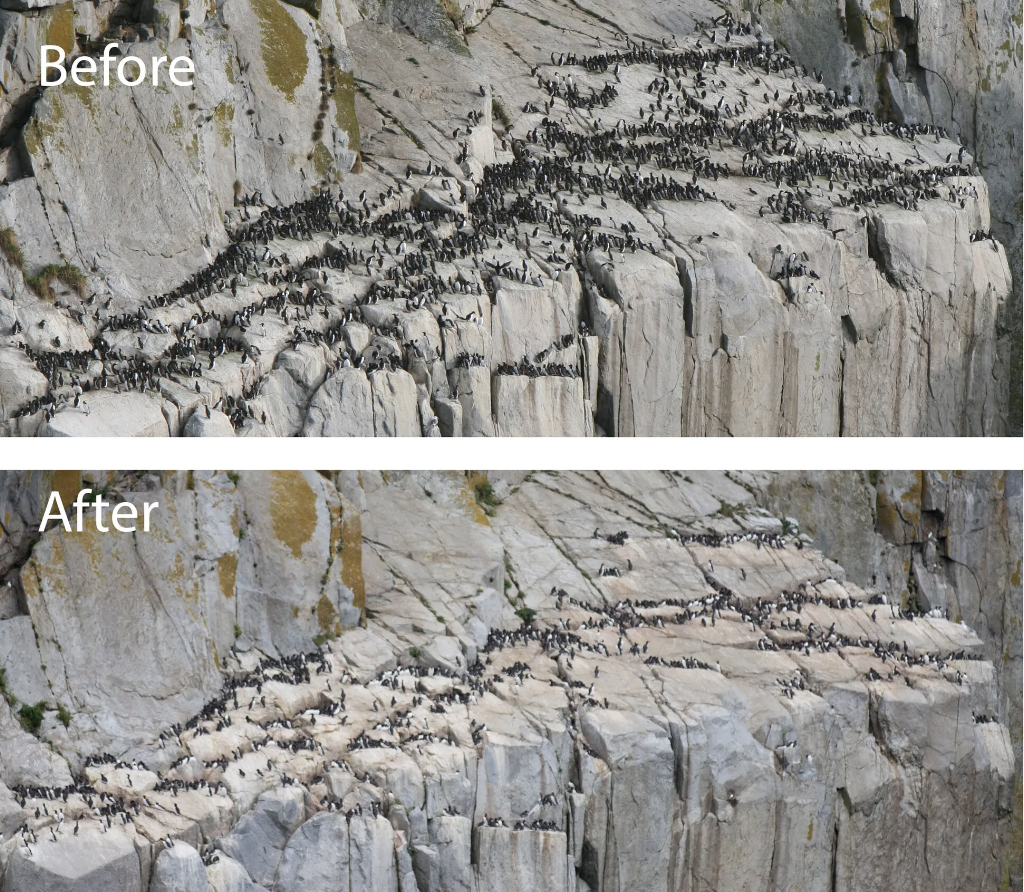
column 723, row 116
column 572, row 644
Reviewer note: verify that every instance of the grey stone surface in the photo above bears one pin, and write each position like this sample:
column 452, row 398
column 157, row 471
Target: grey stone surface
column 227, row 875
column 341, row 407
column 259, row 839
column 92, row 862
column 672, row 316
column 19, row 658
column 955, row 66
column 642, row 729
column 178, row 869
column 316, row 857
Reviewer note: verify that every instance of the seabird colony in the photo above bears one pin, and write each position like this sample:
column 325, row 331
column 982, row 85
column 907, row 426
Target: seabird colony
column 641, row 124
column 245, row 733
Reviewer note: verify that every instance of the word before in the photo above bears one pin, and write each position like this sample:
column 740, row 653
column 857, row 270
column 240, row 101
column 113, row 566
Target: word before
column 84, row 69
column 124, row 514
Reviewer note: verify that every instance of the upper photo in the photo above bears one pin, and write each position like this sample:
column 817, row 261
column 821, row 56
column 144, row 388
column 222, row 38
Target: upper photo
column 516, row 218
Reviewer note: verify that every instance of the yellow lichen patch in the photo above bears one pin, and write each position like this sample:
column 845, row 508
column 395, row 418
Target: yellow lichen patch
column 227, row 571
column 810, row 829
column 352, row 556
column 908, row 510
column 323, row 160
column 178, row 579
column 39, row 129
column 295, row 612
column 292, row 508
column 223, row 117
column 82, row 94
column 60, row 29
column 30, row 582
column 467, row 495
column 327, row 617
column 283, row 45
column 345, row 107
column 68, row 484
column 911, row 500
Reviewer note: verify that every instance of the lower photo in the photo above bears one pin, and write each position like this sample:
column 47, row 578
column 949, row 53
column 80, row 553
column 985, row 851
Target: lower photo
column 529, row 681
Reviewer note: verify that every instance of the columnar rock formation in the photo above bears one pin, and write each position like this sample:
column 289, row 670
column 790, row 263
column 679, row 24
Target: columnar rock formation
column 942, row 540
column 957, row 65
column 572, row 221
column 572, row 681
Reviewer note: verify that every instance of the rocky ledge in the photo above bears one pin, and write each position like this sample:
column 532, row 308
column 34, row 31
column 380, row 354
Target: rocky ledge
column 566, row 219
column 572, row 681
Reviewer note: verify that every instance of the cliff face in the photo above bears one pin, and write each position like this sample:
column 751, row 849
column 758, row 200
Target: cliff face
column 131, row 185
column 957, row 65
column 559, row 228
column 570, row 681
column 947, row 541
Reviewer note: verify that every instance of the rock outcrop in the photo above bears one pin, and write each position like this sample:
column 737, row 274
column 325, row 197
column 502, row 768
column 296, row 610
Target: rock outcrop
column 947, row 541
column 954, row 65
column 558, row 227
column 567, row 682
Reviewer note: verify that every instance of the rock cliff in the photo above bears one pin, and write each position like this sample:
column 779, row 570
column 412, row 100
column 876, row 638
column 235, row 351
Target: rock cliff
column 575, row 220
column 954, row 65
column 571, row 681
column 941, row 540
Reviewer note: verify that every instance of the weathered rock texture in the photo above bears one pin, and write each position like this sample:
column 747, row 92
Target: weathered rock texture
column 957, row 65
column 558, row 228
column 564, row 682
column 950, row 541
column 133, row 184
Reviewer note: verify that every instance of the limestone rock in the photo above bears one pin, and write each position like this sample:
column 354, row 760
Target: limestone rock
column 668, row 294
column 217, row 425
column 178, row 869
column 110, row 415
column 395, row 410
column 341, row 407
column 316, row 857
column 521, row 861
column 19, row 658
column 227, row 875
column 372, row 865
column 258, row 841
column 89, row 863
column 644, row 705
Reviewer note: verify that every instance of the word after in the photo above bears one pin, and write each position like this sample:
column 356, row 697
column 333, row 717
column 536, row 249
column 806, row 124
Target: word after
column 124, row 514
column 130, row 70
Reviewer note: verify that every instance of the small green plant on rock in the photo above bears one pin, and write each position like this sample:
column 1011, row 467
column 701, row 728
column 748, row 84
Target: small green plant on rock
column 67, row 273
column 10, row 248
column 414, row 652
column 4, row 691
column 499, row 112
column 485, row 494
column 32, row 716
column 64, row 715
column 526, row 614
